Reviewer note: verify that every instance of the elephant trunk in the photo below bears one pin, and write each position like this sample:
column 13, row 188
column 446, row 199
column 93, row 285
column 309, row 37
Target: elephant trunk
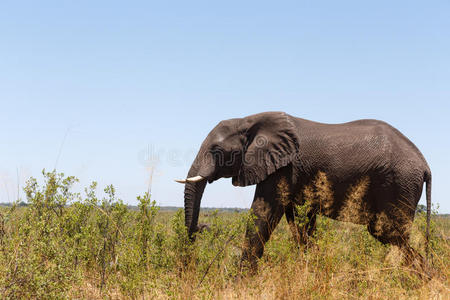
column 193, row 192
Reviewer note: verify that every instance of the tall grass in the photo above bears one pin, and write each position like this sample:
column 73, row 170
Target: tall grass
column 70, row 245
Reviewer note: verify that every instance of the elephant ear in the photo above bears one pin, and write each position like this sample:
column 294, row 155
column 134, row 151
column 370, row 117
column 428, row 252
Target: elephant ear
column 270, row 143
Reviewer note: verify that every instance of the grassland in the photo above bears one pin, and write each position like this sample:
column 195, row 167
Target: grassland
column 67, row 245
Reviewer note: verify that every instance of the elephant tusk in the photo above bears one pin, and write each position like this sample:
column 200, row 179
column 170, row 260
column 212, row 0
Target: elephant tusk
column 191, row 179
column 182, row 181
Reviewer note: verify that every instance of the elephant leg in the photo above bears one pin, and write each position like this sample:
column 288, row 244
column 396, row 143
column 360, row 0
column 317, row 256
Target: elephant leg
column 293, row 226
column 309, row 228
column 303, row 233
column 268, row 213
column 393, row 226
column 388, row 230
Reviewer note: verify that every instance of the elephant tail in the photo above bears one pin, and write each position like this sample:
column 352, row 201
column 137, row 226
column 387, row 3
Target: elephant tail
column 427, row 180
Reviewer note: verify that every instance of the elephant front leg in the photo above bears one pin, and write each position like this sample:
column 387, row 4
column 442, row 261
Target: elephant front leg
column 267, row 214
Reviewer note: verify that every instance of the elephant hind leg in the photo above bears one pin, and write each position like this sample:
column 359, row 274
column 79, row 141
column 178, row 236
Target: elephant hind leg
column 301, row 234
column 417, row 262
column 395, row 230
column 293, row 226
column 391, row 219
column 388, row 230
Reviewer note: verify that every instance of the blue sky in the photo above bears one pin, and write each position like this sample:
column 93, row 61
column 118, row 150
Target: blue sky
column 105, row 90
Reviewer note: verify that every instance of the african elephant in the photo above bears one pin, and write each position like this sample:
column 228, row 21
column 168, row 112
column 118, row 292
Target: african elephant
column 365, row 172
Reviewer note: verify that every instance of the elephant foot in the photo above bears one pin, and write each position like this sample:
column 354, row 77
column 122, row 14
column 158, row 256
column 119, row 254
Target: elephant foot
column 311, row 246
column 248, row 269
column 305, row 243
column 203, row 227
column 417, row 263
column 248, row 265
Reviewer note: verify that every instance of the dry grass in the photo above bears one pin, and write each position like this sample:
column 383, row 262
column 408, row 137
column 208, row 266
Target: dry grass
column 100, row 249
column 346, row 263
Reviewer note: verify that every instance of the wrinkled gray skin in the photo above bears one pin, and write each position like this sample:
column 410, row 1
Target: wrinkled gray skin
column 375, row 175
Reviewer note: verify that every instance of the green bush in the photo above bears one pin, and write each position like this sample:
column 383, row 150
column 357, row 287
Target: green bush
column 67, row 245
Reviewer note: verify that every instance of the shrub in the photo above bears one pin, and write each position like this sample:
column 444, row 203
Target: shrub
column 65, row 245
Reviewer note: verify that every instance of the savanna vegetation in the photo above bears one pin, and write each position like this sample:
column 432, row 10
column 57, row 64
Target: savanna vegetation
column 76, row 245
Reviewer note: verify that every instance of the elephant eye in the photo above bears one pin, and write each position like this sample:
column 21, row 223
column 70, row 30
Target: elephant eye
column 216, row 148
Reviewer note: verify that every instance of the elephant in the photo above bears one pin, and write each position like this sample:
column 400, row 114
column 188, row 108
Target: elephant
column 364, row 172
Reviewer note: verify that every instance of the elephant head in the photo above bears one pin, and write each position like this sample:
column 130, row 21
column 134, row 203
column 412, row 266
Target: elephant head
column 247, row 150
